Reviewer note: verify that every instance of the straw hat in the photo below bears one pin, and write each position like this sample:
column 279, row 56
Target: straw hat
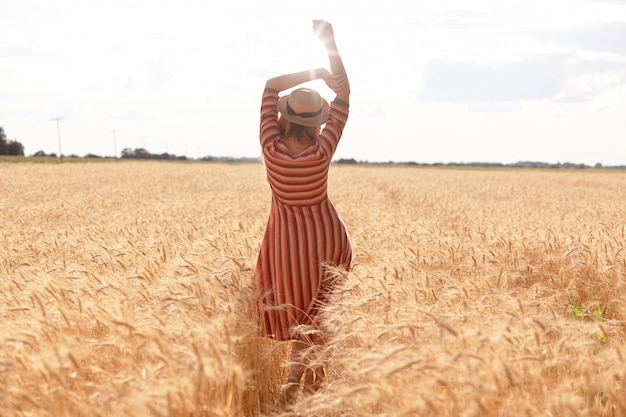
column 304, row 106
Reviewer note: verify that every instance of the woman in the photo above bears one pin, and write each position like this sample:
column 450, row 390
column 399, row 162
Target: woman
column 304, row 233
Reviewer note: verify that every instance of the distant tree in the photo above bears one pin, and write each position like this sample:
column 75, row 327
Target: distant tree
column 142, row 153
column 9, row 147
column 138, row 153
column 15, row 148
column 128, row 153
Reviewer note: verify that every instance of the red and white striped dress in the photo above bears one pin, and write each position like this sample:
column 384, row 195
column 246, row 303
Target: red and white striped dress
column 304, row 231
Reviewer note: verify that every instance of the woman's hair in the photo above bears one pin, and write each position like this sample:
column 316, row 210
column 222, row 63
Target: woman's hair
column 288, row 128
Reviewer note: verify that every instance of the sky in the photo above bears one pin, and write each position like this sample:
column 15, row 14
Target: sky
column 431, row 81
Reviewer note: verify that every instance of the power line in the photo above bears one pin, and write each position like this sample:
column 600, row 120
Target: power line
column 59, row 136
column 115, row 142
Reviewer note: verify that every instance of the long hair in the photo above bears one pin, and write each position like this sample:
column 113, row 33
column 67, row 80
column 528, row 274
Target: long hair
column 288, row 128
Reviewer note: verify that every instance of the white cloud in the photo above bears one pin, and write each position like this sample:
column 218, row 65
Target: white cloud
column 454, row 81
column 597, row 36
column 612, row 100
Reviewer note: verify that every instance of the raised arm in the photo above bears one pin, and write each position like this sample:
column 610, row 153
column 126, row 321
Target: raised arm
column 287, row 81
column 339, row 78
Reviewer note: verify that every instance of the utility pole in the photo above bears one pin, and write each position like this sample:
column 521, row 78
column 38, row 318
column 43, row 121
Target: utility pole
column 59, row 136
column 115, row 143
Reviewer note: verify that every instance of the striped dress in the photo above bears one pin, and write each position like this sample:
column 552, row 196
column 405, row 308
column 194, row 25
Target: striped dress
column 304, row 231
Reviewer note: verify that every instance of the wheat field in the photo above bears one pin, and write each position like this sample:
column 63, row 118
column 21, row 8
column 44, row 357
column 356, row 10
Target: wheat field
column 126, row 289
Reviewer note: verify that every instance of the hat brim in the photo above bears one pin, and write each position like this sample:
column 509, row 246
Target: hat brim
column 304, row 121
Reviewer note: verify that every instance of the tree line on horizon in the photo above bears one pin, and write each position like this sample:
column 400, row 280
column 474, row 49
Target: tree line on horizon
column 15, row 148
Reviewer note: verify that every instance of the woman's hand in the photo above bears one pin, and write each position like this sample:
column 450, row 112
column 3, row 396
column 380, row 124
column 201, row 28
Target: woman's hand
column 323, row 30
column 337, row 80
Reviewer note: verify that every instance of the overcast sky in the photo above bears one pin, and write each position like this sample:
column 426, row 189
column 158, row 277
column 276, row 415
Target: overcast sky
column 432, row 81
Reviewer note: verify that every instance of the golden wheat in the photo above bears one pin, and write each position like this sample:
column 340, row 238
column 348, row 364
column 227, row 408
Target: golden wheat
column 127, row 289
